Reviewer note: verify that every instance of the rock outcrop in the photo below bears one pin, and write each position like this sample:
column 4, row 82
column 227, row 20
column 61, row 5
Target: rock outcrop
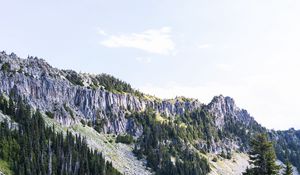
column 222, row 107
column 48, row 89
column 60, row 95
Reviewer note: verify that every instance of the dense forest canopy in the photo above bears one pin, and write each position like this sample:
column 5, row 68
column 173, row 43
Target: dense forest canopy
column 34, row 148
column 166, row 148
column 170, row 142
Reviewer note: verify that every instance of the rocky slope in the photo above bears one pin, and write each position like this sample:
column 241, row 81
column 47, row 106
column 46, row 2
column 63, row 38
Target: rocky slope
column 72, row 98
column 49, row 89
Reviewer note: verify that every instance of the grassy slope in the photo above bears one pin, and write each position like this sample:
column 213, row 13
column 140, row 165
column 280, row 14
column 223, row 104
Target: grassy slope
column 234, row 166
column 119, row 154
column 4, row 168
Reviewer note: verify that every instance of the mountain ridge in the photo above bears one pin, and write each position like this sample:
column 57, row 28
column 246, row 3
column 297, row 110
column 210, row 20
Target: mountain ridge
column 111, row 106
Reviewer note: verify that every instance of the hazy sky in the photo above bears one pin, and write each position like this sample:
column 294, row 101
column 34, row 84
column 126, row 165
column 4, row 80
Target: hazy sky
column 248, row 50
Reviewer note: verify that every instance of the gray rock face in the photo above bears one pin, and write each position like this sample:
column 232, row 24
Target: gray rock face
column 225, row 112
column 47, row 88
column 224, row 107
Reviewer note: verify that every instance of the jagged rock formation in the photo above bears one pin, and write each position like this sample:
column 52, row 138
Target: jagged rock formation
column 48, row 89
column 227, row 116
column 222, row 107
column 71, row 97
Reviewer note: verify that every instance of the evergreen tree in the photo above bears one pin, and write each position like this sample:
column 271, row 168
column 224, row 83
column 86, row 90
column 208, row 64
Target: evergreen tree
column 165, row 145
column 34, row 148
column 288, row 169
column 262, row 157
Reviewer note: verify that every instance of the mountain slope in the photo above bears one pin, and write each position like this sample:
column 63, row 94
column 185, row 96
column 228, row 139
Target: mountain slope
column 165, row 131
column 35, row 148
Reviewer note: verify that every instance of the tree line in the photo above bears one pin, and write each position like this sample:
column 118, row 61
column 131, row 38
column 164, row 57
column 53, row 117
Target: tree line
column 166, row 148
column 34, row 148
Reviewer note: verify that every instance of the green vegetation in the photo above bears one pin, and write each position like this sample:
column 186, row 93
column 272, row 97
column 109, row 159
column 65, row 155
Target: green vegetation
column 262, row 157
column 34, row 148
column 288, row 169
column 4, row 168
column 287, row 146
column 215, row 159
column 127, row 139
column 99, row 123
column 199, row 125
column 69, row 110
column 166, row 148
column 286, row 143
column 49, row 114
column 74, row 78
column 5, row 67
column 107, row 81
column 82, row 122
column 113, row 84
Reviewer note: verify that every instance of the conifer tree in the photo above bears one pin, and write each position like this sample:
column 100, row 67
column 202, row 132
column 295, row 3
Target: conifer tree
column 35, row 148
column 288, row 169
column 262, row 157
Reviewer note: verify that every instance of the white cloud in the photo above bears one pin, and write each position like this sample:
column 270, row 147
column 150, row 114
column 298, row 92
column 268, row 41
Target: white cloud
column 158, row 41
column 204, row 46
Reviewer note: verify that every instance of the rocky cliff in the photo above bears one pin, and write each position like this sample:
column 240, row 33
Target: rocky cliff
column 224, row 107
column 49, row 89
column 71, row 98
column 52, row 90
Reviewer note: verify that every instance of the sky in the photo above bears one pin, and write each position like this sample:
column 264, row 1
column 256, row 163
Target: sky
column 248, row 50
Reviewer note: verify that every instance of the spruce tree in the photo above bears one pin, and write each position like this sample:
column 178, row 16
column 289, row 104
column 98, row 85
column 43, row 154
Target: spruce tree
column 288, row 169
column 262, row 157
column 35, row 148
